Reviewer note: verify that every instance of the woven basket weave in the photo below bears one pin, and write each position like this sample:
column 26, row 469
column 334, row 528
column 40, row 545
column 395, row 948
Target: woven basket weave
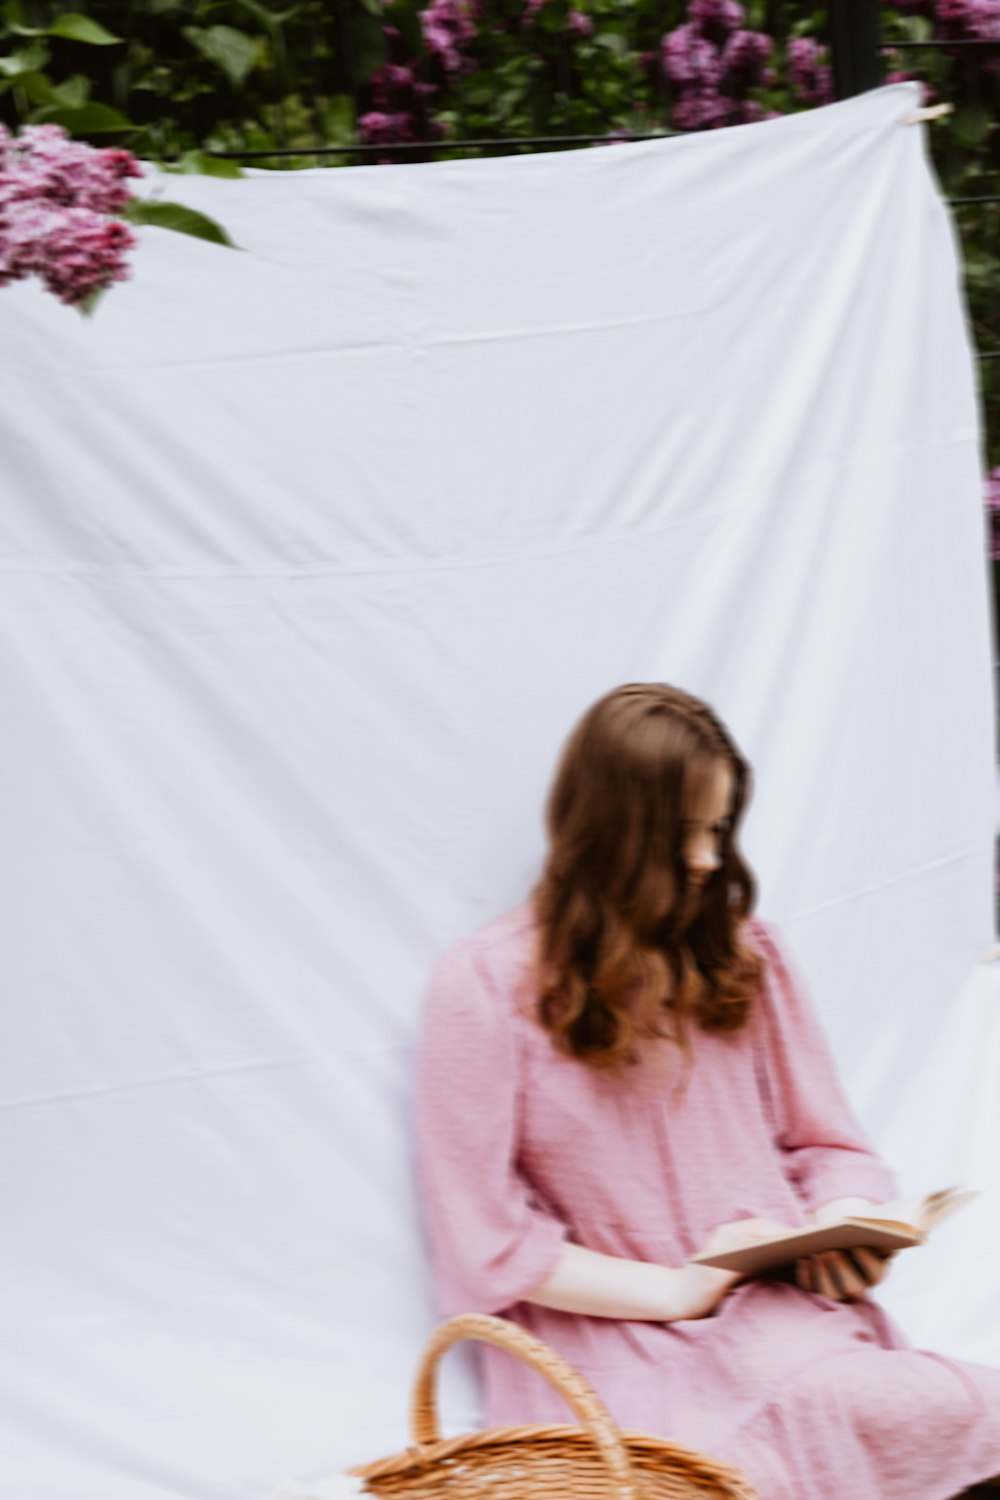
column 594, row 1461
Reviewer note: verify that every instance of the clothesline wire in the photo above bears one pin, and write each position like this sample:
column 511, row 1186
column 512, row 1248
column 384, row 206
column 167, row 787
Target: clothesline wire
column 367, row 147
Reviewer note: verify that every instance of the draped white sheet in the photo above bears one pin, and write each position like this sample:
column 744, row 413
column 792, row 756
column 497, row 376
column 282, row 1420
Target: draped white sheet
column 311, row 555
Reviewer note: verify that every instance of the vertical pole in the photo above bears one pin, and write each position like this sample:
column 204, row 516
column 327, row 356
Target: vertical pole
column 854, row 45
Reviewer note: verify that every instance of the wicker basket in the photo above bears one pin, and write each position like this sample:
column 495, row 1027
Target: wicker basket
column 592, row 1462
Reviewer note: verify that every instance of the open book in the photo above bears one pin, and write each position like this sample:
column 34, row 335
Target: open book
column 888, row 1226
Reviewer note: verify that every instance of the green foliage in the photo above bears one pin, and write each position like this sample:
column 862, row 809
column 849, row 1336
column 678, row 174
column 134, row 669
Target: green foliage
column 77, row 28
column 178, row 218
column 81, row 118
column 231, row 50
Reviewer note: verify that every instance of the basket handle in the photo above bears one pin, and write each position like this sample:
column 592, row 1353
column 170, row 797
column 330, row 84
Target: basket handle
column 575, row 1391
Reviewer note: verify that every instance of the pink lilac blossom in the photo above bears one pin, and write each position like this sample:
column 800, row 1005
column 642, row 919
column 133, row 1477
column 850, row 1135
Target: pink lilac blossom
column 392, row 78
column 399, row 114
column 715, row 19
column 579, row 25
column 751, row 112
column 689, row 60
column 811, row 80
column 380, row 127
column 448, row 26
column 978, row 19
column 48, row 164
column 57, row 198
column 993, row 511
column 713, row 77
column 701, row 110
column 744, row 61
column 969, row 21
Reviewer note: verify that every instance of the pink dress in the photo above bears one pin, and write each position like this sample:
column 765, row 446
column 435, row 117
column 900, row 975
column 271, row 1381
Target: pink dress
column 520, row 1149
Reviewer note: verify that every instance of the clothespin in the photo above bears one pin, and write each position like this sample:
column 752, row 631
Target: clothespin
column 929, row 112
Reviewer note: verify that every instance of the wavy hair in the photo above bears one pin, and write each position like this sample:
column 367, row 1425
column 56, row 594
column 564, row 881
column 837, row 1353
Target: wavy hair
column 627, row 949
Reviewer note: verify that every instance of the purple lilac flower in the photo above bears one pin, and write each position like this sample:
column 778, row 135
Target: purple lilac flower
column 714, row 65
column 44, row 163
column 701, row 109
column 749, row 112
column 448, row 26
column 744, row 60
column 399, row 114
column 689, row 60
column 579, row 25
column 74, row 251
column 57, row 197
column 715, row 19
column 993, row 510
column 381, row 127
column 811, row 80
column 392, row 78
column 979, row 20
column 969, row 21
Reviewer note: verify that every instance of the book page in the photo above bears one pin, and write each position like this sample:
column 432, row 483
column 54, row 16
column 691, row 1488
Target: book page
column 923, row 1211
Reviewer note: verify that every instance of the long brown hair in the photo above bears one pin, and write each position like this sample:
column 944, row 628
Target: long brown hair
column 625, row 949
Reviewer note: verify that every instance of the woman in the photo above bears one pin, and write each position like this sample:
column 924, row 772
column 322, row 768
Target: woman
column 626, row 1071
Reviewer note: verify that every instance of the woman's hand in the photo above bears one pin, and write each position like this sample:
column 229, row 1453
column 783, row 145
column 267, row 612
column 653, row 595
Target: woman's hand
column 739, row 1234
column 709, row 1284
column 843, row 1275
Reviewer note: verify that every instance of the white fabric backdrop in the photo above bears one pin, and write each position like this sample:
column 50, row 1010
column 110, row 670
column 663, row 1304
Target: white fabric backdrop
column 312, row 554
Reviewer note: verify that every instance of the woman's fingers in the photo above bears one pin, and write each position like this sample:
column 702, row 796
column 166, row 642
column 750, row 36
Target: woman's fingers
column 833, row 1274
column 872, row 1265
column 823, row 1279
column 852, row 1280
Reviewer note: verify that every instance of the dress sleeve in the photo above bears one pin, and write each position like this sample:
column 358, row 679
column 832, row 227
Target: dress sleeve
column 827, row 1154
column 491, row 1242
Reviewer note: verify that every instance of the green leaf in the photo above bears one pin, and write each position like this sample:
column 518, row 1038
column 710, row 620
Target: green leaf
column 87, row 306
column 74, row 93
column 205, row 166
column 37, row 87
column 27, row 60
column 917, row 28
column 231, row 50
column 613, row 41
column 271, row 19
column 177, row 217
column 89, row 119
column 77, row 28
